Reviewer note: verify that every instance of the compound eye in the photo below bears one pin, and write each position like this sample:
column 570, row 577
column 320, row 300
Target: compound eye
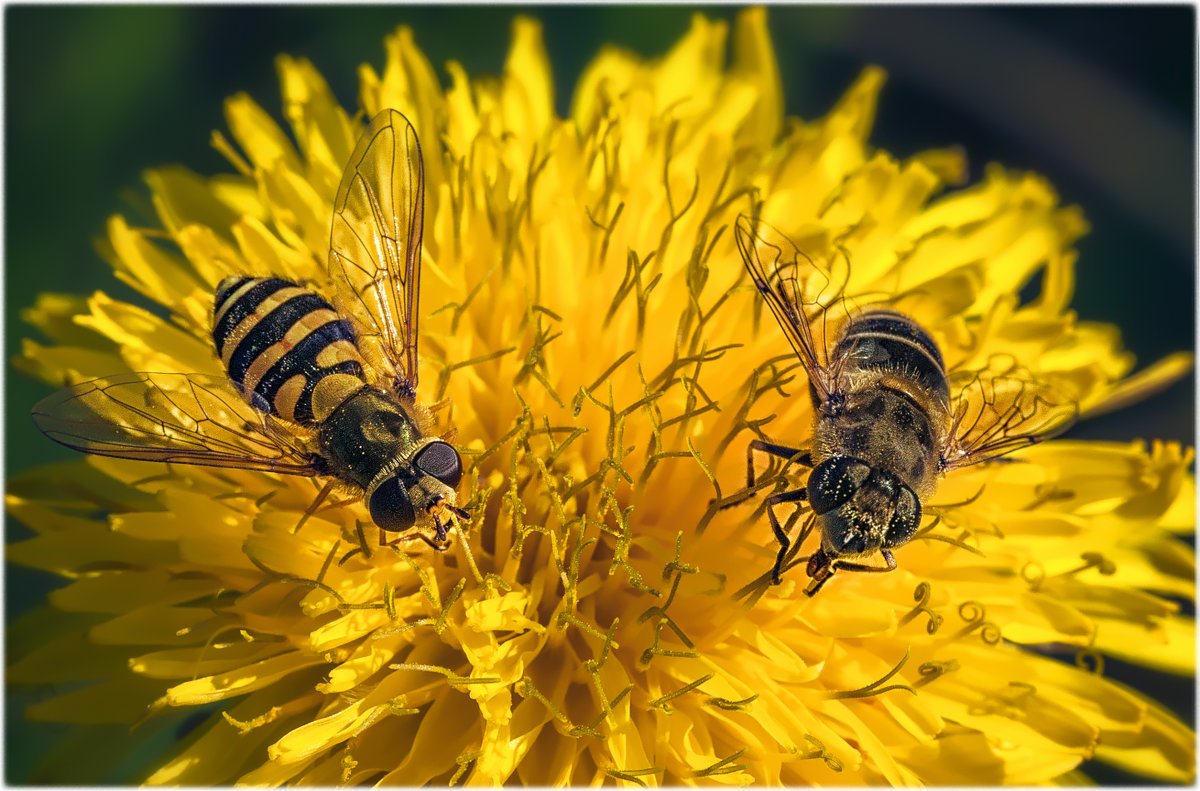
column 834, row 482
column 905, row 518
column 440, row 460
column 390, row 507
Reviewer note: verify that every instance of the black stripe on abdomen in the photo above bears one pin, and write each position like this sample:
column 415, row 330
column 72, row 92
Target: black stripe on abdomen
column 243, row 306
column 302, row 360
column 269, row 331
column 887, row 340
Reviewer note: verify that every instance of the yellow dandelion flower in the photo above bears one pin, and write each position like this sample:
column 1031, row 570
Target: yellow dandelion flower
column 586, row 312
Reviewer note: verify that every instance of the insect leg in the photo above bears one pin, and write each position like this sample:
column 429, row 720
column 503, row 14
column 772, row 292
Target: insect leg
column 887, row 557
column 781, row 451
column 411, row 537
column 436, row 546
column 794, row 496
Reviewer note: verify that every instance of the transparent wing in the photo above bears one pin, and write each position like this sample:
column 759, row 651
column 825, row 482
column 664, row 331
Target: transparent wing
column 375, row 245
column 1001, row 409
column 180, row 418
column 799, row 292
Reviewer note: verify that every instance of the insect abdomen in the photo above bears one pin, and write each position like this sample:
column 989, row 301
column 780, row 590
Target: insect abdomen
column 888, row 341
column 286, row 346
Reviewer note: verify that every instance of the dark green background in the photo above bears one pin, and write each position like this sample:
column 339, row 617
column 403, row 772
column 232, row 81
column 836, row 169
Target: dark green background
column 1100, row 100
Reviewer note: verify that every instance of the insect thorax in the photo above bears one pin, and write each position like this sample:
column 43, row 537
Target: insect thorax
column 368, row 432
column 286, row 348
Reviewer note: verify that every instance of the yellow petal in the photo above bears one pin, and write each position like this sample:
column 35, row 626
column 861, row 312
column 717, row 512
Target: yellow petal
column 155, row 625
column 300, row 214
column 184, row 198
column 121, row 591
column 1169, row 645
column 528, row 93
column 1160, row 375
column 213, row 258
column 1164, row 750
column 409, row 84
column 440, row 738
column 64, row 365
column 754, row 61
column 145, row 267
column 223, row 749
column 261, row 138
column 66, row 543
column 147, row 342
column 239, row 681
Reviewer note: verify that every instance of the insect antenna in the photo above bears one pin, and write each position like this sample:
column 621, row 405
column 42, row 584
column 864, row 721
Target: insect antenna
column 312, row 509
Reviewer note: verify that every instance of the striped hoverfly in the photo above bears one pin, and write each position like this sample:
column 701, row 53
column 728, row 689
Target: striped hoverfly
column 345, row 376
column 888, row 418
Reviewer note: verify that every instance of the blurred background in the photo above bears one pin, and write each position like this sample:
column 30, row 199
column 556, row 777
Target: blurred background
column 1101, row 100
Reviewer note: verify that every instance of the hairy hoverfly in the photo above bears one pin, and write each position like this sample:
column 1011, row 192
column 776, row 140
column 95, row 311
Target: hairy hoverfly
column 346, row 376
column 888, row 420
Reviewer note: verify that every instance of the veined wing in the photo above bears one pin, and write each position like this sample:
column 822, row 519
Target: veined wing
column 375, row 245
column 179, row 418
column 798, row 291
column 1003, row 408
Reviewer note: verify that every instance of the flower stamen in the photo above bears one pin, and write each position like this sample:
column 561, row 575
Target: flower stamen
column 633, row 775
column 732, row 705
column 1049, row 493
column 974, row 613
column 464, row 762
column 439, row 623
column 722, row 767
column 661, row 703
column 451, row 678
column 245, row 726
column 398, row 707
column 875, row 687
column 1009, row 702
column 348, row 762
column 921, row 595
column 931, row 671
column 1091, row 660
column 819, row 751
column 1034, row 574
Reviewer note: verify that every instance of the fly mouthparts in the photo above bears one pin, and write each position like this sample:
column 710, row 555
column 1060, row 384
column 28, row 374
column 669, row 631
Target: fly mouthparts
column 436, row 507
column 435, row 510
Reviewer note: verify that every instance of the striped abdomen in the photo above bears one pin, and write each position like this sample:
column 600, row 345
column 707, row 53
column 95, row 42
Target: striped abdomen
column 884, row 340
column 286, row 346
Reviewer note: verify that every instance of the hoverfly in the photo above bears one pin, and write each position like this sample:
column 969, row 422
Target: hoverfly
column 347, row 377
column 888, row 420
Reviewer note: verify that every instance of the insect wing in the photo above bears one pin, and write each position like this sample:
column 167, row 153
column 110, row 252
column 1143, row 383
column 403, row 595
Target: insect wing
column 798, row 291
column 180, row 418
column 1001, row 409
column 375, row 245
